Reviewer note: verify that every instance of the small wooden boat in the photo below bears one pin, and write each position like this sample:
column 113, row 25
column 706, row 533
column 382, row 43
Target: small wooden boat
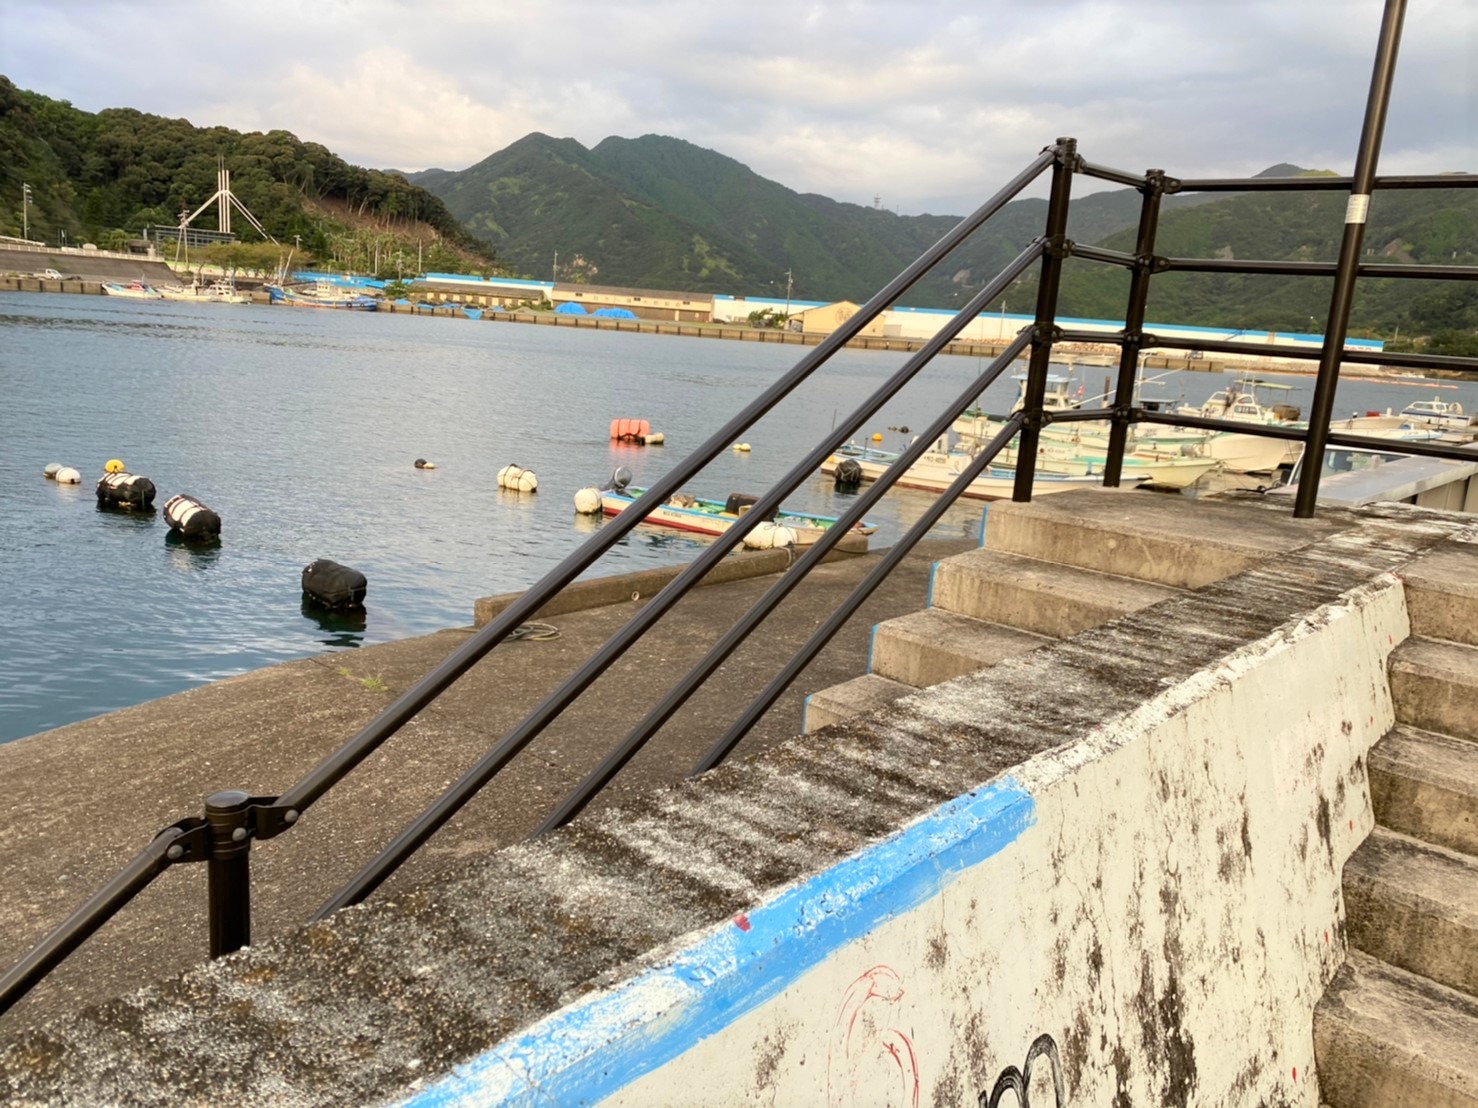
column 714, row 517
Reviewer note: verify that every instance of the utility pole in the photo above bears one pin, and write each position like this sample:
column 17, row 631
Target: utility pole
column 25, row 211
column 788, row 285
column 554, row 271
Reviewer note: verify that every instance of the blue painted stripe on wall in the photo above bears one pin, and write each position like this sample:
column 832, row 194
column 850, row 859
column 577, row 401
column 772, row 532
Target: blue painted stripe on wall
column 984, row 520
column 597, row 1047
column 929, row 598
column 872, row 637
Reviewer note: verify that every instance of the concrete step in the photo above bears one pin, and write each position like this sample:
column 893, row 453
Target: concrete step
column 925, row 648
column 850, row 698
column 1038, row 596
column 1442, row 593
column 1170, row 540
column 1435, row 686
column 1426, row 785
column 1384, row 1037
column 1415, row 906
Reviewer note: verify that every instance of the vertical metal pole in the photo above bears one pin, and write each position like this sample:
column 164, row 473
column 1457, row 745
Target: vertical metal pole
column 1036, row 374
column 1139, row 292
column 229, row 872
column 1349, row 257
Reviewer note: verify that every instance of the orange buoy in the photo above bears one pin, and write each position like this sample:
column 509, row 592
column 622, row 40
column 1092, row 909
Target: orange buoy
column 630, row 430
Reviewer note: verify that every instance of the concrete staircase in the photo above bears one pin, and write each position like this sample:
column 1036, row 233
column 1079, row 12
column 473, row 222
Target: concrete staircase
column 1399, row 1022
column 1048, row 570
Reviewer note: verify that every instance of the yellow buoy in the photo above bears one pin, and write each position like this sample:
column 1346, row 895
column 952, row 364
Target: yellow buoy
column 876, row 437
column 113, row 466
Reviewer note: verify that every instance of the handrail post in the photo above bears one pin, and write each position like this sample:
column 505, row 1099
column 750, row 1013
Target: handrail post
column 1139, row 292
column 1036, row 374
column 1343, row 296
column 228, row 871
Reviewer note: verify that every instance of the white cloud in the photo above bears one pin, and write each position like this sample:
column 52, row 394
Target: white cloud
column 928, row 104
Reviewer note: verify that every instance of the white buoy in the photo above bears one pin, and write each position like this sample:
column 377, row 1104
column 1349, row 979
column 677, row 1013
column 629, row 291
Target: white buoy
column 587, row 501
column 656, row 438
column 742, row 447
column 518, row 479
column 68, row 476
column 770, row 536
column 52, row 469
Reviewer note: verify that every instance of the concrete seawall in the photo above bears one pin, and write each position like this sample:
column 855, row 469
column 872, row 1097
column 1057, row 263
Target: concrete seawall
column 1128, row 842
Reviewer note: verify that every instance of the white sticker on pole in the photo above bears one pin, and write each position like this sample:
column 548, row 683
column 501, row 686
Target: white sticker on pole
column 1357, row 208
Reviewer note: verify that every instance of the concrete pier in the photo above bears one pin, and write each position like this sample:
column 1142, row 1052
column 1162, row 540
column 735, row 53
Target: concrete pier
column 1115, row 860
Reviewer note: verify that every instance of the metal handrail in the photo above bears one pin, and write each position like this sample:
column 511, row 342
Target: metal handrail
column 890, row 558
column 233, row 819
column 677, row 696
column 374, row 872
column 244, row 818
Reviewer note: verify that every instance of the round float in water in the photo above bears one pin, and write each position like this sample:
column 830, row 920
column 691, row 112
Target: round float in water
column 332, row 585
column 190, row 519
column 131, row 491
column 518, row 479
column 587, row 501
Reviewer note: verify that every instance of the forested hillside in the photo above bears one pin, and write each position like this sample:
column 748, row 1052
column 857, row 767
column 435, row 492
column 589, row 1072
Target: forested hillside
column 658, row 212
column 1438, row 227
column 104, row 176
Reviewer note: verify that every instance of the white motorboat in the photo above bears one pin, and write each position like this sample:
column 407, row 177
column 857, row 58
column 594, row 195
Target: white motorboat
column 1437, row 413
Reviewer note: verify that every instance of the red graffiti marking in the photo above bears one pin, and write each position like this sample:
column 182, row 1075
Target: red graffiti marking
column 865, row 1056
column 1295, row 1073
column 1352, row 825
column 1326, row 938
column 741, row 921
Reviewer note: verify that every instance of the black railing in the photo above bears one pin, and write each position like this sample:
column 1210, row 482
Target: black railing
column 222, row 838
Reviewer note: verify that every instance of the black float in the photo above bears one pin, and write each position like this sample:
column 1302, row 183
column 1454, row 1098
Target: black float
column 332, row 585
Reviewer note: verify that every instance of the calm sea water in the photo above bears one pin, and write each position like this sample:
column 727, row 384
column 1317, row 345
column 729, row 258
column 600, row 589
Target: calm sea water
column 300, row 429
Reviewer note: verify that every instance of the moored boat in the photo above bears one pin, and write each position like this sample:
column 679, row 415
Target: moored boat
column 321, row 295
column 217, row 292
column 714, row 517
column 134, row 290
column 937, row 469
column 1437, row 413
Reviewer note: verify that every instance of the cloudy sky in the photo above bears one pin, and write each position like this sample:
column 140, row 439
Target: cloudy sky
column 928, row 105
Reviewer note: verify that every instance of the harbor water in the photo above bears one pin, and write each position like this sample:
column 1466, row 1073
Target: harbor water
column 300, row 429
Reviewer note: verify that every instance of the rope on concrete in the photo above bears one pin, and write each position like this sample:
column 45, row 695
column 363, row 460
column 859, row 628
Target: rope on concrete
column 536, row 632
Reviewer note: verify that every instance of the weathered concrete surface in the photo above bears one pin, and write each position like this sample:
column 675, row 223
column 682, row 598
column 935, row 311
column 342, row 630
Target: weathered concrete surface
column 1125, row 532
column 1415, row 906
column 1388, row 1037
column 595, row 592
column 1435, row 684
column 360, row 1007
column 1426, row 785
column 1036, row 595
column 83, row 798
column 1442, row 594
column 925, row 648
column 839, row 702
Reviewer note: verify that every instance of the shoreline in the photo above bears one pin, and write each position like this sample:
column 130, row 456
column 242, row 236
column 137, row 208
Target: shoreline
column 735, row 333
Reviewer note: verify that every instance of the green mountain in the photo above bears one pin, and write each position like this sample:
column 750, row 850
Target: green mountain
column 1426, row 227
column 104, row 176
column 658, row 212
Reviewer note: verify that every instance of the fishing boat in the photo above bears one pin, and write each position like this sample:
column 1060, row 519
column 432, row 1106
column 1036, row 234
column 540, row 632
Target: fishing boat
column 714, row 517
column 937, row 469
column 321, row 295
column 217, row 292
column 134, row 290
